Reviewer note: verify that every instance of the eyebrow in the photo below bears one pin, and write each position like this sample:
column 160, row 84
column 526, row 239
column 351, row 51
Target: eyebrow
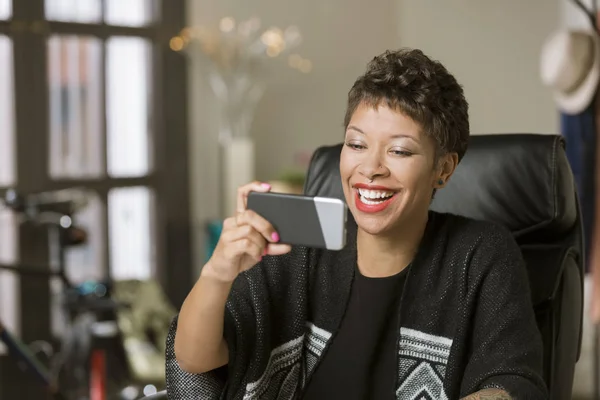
column 394, row 136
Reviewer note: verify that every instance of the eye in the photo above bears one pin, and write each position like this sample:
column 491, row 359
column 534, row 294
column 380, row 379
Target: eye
column 355, row 146
column 402, row 153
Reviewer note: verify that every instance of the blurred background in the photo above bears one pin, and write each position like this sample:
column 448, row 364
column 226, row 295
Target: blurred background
column 151, row 112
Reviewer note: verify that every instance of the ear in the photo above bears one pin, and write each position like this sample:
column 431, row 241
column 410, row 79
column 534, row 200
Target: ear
column 446, row 165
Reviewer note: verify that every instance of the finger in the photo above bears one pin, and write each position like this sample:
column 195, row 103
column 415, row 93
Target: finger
column 229, row 223
column 247, row 246
column 246, row 231
column 242, row 193
column 277, row 249
column 249, row 217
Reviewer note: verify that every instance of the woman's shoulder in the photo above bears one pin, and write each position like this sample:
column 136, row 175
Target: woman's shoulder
column 486, row 244
column 464, row 235
column 462, row 227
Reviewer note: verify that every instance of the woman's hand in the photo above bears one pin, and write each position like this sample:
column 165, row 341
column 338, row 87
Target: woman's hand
column 245, row 239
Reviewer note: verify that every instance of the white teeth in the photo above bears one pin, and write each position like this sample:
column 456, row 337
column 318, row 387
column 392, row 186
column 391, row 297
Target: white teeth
column 374, row 194
column 369, row 202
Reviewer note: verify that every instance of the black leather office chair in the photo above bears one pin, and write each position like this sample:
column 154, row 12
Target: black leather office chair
column 524, row 182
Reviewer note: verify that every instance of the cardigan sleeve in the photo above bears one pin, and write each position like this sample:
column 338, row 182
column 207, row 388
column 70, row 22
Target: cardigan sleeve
column 182, row 385
column 505, row 345
column 247, row 329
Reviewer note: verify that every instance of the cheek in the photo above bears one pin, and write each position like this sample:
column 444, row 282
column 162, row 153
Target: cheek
column 346, row 165
column 414, row 175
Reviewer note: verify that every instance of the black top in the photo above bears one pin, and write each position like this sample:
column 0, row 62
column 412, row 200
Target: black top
column 360, row 363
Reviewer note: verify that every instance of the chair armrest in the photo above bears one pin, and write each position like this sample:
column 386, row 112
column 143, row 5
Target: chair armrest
column 156, row 396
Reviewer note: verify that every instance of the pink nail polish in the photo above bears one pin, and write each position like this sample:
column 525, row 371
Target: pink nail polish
column 275, row 236
column 266, row 185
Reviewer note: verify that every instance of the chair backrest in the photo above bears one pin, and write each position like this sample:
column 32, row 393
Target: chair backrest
column 524, row 182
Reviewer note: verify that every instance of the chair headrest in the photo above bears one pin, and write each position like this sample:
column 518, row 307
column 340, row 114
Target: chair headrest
column 522, row 181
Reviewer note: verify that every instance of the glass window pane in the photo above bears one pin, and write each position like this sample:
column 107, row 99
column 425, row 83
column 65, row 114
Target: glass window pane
column 9, row 281
column 128, row 97
column 86, row 262
column 7, row 132
column 130, row 12
column 82, row 263
column 75, row 94
column 74, row 10
column 130, row 233
column 5, row 9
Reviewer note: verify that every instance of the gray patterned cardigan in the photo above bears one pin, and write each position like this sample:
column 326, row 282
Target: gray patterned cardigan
column 466, row 321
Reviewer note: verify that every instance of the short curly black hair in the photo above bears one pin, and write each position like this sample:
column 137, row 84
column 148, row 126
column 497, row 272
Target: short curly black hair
column 421, row 88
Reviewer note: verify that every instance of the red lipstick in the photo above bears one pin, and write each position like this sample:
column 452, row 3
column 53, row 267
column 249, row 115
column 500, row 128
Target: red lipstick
column 371, row 187
column 376, row 206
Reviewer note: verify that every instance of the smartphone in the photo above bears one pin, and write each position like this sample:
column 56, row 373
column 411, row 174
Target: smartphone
column 318, row 222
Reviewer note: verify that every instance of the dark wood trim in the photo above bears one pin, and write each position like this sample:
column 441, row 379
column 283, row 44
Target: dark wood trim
column 102, row 184
column 102, row 31
column 177, row 268
column 31, row 155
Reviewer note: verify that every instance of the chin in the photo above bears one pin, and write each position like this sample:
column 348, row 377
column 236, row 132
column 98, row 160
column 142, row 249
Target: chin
column 375, row 225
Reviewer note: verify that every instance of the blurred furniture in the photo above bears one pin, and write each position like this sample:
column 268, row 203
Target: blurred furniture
column 524, row 182
column 144, row 325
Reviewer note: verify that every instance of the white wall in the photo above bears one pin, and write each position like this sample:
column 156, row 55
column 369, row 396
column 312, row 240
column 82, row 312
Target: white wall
column 493, row 49
column 571, row 16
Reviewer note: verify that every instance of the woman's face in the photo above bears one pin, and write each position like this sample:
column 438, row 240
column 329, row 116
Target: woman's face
column 387, row 147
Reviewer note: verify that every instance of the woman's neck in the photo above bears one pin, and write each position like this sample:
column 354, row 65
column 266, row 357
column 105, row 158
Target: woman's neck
column 387, row 255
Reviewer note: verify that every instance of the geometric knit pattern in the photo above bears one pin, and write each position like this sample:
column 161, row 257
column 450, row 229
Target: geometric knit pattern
column 422, row 365
column 316, row 340
column 281, row 375
column 284, row 374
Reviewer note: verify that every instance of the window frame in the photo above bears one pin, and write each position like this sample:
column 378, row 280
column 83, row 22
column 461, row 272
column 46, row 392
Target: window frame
column 168, row 179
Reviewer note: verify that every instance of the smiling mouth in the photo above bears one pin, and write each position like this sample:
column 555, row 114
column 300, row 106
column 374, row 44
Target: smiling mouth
column 374, row 197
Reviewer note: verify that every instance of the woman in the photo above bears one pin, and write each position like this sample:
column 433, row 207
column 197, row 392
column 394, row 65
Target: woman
column 418, row 305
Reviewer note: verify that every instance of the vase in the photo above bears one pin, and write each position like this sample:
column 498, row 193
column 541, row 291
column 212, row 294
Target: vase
column 238, row 93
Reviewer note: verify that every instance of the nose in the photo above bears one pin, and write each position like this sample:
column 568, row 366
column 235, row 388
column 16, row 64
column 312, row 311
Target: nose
column 372, row 166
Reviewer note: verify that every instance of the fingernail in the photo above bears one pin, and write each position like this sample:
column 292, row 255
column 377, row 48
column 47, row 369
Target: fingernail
column 275, row 236
column 266, row 185
column 265, row 252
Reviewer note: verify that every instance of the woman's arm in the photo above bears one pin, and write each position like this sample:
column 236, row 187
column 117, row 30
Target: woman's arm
column 199, row 342
column 200, row 345
column 488, row 394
